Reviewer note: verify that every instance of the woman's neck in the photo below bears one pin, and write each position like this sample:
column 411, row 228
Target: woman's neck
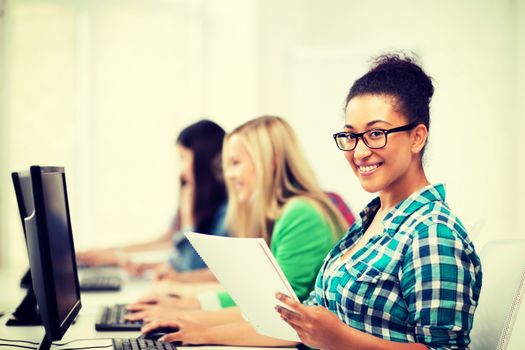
column 400, row 190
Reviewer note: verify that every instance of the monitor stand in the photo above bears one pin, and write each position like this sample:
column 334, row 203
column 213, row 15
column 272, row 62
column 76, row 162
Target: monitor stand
column 26, row 314
column 45, row 344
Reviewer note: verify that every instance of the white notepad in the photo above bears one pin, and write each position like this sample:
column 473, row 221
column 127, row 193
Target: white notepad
column 247, row 269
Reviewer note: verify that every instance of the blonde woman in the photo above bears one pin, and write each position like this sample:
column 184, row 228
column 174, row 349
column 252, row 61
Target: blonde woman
column 273, row 194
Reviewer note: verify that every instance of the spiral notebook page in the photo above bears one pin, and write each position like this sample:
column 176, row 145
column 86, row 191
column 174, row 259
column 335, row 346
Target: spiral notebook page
column 247, row 269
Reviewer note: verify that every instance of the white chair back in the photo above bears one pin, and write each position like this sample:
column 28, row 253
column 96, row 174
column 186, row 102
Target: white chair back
column 503, row 266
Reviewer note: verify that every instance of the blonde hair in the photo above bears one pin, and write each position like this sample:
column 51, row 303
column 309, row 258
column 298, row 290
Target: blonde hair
column 282, row 174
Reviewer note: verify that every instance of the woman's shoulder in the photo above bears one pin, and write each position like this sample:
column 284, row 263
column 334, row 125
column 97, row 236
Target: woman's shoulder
column 303, row 211
column 301, row 215
column 437, row 213
column 436, row 219
column 437, row 230
column 300, row 205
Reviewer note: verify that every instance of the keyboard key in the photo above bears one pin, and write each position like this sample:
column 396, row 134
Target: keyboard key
column 100, row 283
column 112, row 319
column 141, row 344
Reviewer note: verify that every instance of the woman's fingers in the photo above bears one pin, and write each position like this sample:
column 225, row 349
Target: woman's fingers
column 136, row 316
column 158, row 324
column 292, row 318
column 291, row 303
column 172, row 337
column 137, row 307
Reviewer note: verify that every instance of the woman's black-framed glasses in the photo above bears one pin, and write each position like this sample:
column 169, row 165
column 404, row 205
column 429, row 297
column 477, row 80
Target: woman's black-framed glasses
column 373, row 138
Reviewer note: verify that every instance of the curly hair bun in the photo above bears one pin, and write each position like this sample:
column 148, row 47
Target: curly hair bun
column 398, row 75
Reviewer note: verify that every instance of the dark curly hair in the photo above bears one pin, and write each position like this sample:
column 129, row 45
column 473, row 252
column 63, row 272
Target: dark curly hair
column 401, row 77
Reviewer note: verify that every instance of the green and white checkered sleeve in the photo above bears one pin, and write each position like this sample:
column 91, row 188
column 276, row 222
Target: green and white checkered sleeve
column 440, row 284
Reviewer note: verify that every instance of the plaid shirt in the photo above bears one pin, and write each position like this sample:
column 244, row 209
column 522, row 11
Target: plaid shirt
column 417, row 281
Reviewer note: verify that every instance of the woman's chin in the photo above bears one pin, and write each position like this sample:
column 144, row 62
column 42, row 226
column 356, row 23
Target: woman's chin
column 370, row 186
column 242, row 198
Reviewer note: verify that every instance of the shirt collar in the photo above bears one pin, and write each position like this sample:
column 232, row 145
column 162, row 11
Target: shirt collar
column 368, row 213
column 395, row 217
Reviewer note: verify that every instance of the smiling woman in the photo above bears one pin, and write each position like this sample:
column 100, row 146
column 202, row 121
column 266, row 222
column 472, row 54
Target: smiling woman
column 273, row 194
column 406, row 275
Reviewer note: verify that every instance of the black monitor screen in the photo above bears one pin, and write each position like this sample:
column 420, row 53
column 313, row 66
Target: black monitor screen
column 60, row 242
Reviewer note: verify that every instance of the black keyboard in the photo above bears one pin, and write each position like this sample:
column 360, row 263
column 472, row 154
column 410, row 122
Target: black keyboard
column 141, row 344
column 112, row 319
column 100, row 283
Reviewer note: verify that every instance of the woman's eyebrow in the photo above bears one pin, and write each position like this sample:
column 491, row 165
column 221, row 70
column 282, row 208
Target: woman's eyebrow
column 348, row 126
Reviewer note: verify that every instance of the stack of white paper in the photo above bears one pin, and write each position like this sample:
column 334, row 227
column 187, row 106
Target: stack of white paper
column 248, row 271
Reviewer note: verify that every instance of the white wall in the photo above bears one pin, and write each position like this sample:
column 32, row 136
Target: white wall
column 467, row 46
column 109, row 86
column 520, row 92
column 3, row 148
column 137, row 90
column 103, row 87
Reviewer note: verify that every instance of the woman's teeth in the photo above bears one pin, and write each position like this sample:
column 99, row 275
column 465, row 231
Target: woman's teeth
column 368, row 168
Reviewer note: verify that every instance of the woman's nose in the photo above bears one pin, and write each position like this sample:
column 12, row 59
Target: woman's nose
column 361, row 150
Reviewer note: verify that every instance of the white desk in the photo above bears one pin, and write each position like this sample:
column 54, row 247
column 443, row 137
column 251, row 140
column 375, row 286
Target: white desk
column 84, row 326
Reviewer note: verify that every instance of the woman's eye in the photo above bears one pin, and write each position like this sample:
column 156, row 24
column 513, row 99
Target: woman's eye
column 375, row 133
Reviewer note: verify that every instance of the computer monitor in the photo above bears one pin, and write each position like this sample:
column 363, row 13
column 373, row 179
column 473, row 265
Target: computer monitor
column 96, row 279
column 51, row 253
column 26, row 314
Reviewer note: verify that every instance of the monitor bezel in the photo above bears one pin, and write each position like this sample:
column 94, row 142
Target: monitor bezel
column 39, row 249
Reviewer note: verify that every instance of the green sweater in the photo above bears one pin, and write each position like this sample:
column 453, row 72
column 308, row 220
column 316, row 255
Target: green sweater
column 301, row 238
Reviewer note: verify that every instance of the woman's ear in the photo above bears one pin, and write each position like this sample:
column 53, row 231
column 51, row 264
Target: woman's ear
column 419, row 138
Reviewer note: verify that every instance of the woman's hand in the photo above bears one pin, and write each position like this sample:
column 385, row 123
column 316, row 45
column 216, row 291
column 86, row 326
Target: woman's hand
column 149, row 313
column 188, row 332
column 137, row 268
column 160, row 307
column 316, row 326
column 166, row 272
column 155, row 312
column 99, row 257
